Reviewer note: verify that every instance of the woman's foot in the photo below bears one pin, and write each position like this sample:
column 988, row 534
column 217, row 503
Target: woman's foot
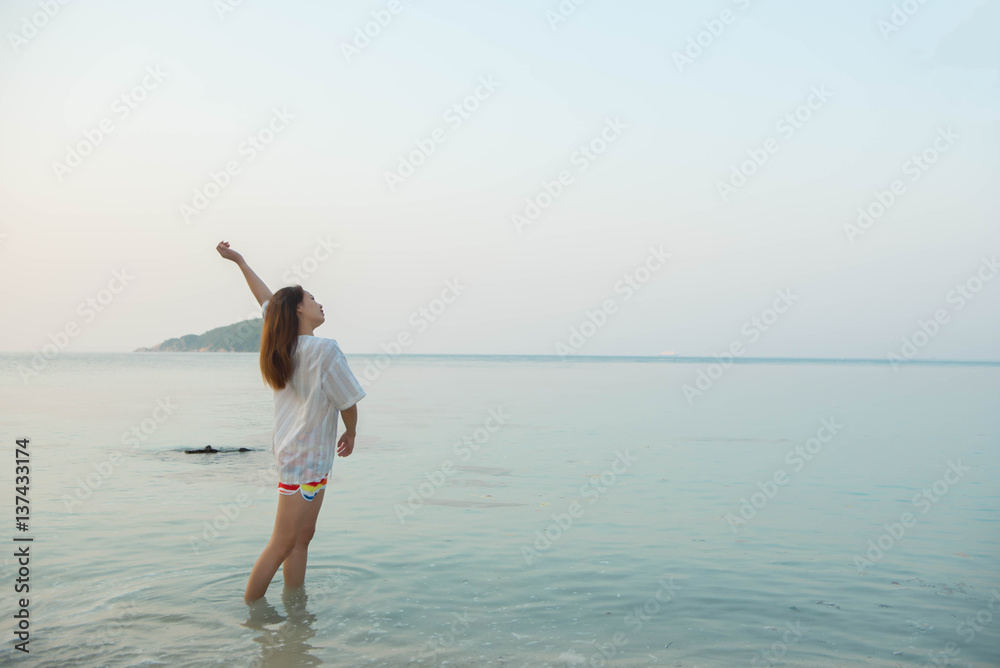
column 260, row 612
column 295, row 599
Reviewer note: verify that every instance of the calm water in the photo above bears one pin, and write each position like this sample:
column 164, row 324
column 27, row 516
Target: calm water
column 600, row 524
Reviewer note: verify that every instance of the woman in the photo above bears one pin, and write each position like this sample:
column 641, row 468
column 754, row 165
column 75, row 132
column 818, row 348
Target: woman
column 312, row 382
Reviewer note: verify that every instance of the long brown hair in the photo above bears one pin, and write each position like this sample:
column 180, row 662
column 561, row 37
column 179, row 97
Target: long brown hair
column 280, row 336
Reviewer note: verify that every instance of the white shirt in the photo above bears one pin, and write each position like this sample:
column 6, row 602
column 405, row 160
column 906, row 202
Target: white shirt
column 304, row 438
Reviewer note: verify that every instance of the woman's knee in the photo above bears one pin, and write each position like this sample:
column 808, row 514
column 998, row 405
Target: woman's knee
column 284, row 545
column 306, row 534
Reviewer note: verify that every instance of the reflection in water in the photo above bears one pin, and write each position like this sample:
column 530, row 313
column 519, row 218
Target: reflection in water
column 287, row 645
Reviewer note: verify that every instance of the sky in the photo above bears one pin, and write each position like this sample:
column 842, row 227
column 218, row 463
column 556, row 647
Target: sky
column 608, row 178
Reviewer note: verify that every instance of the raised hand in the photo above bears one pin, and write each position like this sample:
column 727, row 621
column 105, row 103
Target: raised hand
column 227, row 252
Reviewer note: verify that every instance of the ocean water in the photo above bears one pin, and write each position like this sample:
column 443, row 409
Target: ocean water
column 515, row 512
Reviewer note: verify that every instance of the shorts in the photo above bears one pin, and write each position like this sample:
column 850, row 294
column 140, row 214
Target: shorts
column 309, row 490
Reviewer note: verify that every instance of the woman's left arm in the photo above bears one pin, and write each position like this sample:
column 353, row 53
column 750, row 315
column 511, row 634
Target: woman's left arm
column 345, row 446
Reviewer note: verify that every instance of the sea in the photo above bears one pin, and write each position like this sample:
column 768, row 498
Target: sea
column 509, row 511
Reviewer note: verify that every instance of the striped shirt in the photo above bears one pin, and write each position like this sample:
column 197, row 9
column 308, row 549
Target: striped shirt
column 304, row 438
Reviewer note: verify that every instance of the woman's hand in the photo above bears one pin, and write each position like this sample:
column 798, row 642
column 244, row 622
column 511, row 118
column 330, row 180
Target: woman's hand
column 227, row 253
column 345, row 445
column 260, row 291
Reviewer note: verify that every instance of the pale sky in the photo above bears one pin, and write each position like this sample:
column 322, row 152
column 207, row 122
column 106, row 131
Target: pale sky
column 198, row 81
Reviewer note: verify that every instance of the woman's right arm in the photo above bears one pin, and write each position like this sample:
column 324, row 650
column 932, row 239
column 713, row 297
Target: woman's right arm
column 257, row 287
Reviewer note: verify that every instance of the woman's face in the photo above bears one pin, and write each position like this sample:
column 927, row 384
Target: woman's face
column 311, row 311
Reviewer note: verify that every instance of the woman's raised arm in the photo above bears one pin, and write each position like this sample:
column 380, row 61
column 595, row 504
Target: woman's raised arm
column 257, row 287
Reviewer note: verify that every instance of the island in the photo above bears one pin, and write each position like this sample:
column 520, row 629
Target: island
column 240, row 337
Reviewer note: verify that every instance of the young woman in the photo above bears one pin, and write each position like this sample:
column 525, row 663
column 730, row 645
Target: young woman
column 312, row 383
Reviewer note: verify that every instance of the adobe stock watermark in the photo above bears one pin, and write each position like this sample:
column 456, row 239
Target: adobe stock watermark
column 331, row 585
column 224, row 517
column 245, row 331
column 302, row 270
column 437, row 478
column 454, row 116
column 796, row 458
column 264, row 478
column 33, row 24
column 914, row 167
column 104, row 469
column 960, row 296
column 698, row 44
column 565, row 10
column 592, row 491
column 248, row 149
column 787, row 126
column 900, row 16
column 122, row 108
column 88, row 309
column 421, row 319
column 445, row 639
column 110, row 631
column 791, row 636
column 364, row 34
column 967, row 630
column 629, row 284
column 752, row 329
column 924, row 500
column 635, row 620
column 582, row 158
column 224, row 7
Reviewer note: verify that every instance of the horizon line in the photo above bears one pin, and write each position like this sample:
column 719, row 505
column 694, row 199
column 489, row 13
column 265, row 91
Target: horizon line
column 645, row 358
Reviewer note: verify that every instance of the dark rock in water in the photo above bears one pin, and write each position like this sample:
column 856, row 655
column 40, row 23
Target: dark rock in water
column 210, row 449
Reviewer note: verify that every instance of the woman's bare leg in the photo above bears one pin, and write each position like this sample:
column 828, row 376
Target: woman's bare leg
column 292, row 509
column 294, row 566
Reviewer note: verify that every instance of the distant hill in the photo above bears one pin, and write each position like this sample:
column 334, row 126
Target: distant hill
column 242, row 337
